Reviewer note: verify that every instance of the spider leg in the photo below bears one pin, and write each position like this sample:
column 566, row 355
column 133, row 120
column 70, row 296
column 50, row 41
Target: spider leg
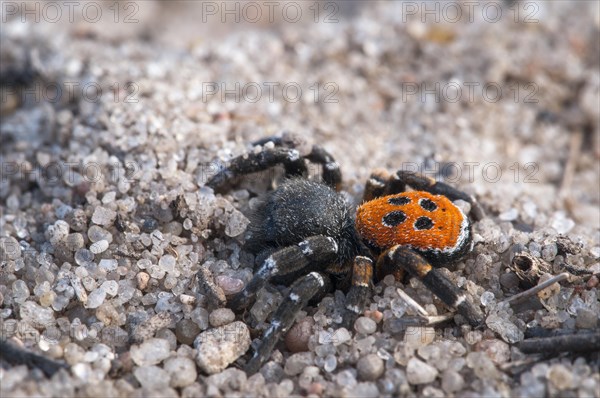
column 421, row 182
column 300, row 293
column 385, row 266
column 377, row 185
column 332, row 174
column 400, row 257
column 310, row 254
column 18, row 356
column 358, row 294
column 253, row 162
column 360, row 290
column 275, row 139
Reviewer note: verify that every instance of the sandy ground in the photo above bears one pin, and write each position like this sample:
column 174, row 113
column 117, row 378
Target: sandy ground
column 111, row 112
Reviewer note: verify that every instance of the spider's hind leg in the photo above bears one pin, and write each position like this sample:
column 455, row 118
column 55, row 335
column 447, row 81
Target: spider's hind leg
column 300, row 293
column 403, row 258
column 253, row 162
column 421, row 182
column 331, row 172
column 380, row 183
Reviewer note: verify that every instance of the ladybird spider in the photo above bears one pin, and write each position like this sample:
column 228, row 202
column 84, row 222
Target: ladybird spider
column 305, row 234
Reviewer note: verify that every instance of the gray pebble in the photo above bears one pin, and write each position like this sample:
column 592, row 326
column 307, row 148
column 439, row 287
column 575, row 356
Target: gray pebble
column 200, row 317
column 586, row 319
column 181, row 370
column 419, row 372
column 272, row 372
column 103, row 216
column 149, row 327
column 57, row 232
column 221, row 316
column 219, row 347
column 452, row 381
column 296, row 363
column 149, row 224
column 9, row 248
column 150, row 352
column 152, row 378
column 370, row 367
column 560, row 377
column 509, row 280
column 96, row 298
column 77, row 220
column 99, row 247
column 169, row 336
column 236, row 224
column 186, row 331
column 365, row 325
column 74, row 241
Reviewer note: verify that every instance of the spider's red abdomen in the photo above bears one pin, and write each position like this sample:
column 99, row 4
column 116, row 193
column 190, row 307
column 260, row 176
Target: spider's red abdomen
column 418, row 219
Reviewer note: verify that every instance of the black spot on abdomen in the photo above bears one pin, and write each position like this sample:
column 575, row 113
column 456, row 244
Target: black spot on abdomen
column 423, row 223
column 399, row 200
column 394, row 218
column 428, row 204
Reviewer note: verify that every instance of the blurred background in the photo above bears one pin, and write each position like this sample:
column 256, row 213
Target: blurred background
column 513, row 83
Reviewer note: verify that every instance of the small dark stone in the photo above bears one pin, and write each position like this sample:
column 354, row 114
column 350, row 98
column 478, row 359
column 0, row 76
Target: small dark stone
column 79, row 192
column 63, row 254
column 77, row 220
column 119, row 223
column 565, row 245
column 149, row 225
column 509, row 280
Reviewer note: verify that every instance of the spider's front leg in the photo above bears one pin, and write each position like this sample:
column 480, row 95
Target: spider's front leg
column 311, row 254
column 300, row 293
column 400, row 258
column 360, row 290
column 253, row 162
column 358, row 294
